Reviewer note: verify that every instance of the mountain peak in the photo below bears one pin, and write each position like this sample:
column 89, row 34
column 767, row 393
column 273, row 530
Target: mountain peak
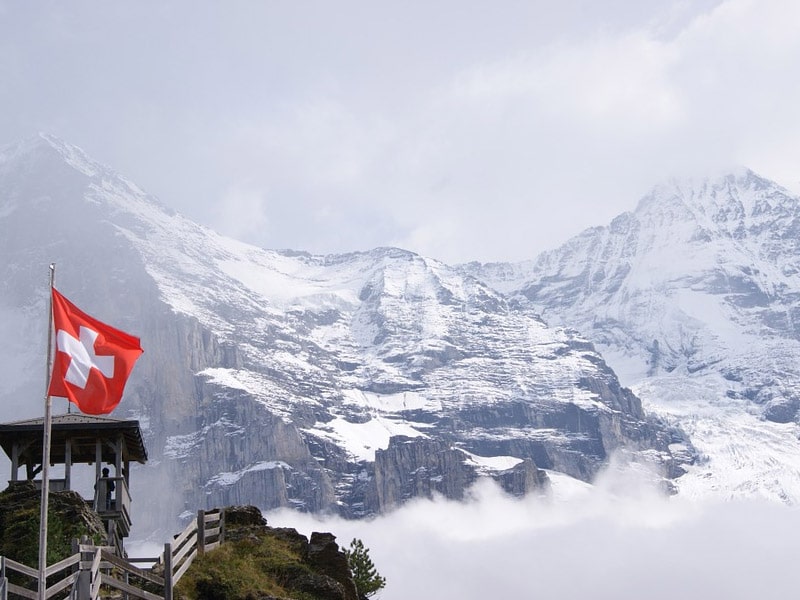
column 45, row 144
column 734, row 202
column 703, row 188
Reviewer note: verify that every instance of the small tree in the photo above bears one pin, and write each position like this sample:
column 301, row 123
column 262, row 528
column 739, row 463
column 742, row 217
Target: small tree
column 367, row 579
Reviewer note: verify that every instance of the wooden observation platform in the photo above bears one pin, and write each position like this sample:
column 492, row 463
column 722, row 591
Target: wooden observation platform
column 99, row 571
column 82, row 439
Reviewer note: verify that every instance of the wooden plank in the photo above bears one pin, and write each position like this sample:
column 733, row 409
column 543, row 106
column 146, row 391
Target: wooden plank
column 94, row 575
column 94, row 591
column 187, row 549
column 190, row 529
column 212, row 532
column 92, row 549
column 116, row 560
column 184, row 567
column 67, row 562
column 128, row 588
column 213, row 516
column 152, row 578
column 212, row 546
column 61, row 585
column 12, row 565
column 96, row 563
column 129, row 568
column 21, row 591
column 145, row 559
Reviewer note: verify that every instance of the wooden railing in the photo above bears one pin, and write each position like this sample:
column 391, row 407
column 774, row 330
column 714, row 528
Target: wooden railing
column 123, row 571
column 13, row 589
column 94, row 566
column 204, row 534
column 118, row 509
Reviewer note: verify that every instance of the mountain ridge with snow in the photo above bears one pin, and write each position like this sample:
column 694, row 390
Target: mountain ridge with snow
column 347, row 383
column 694, row 300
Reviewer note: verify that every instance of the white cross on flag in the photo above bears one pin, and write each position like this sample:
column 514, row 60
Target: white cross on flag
column 93, row 360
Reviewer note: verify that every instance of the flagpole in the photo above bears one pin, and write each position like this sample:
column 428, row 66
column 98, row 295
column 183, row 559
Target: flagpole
column 46, row 448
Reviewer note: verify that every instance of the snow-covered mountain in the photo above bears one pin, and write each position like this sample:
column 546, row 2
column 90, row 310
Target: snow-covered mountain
column 694, row 300
column 347, row 383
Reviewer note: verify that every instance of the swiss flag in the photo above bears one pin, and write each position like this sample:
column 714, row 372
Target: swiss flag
column 93, row 360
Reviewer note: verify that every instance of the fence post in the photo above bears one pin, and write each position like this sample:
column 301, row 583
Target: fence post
column 82, row 588
column 167, row 571
column 201, row 532
column 3, row 580
column 221, row 526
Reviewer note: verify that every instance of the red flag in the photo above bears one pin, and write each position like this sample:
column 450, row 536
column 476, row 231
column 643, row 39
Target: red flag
column 93, row 360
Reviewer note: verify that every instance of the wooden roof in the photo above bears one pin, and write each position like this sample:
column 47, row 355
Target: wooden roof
column 83, row 431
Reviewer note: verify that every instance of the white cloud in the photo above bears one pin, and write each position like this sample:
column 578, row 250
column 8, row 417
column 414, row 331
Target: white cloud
column 603, row 545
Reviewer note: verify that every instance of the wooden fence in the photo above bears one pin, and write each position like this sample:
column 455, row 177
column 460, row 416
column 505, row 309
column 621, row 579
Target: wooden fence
column 27, row 574
column 185, row 547
column 92, row 567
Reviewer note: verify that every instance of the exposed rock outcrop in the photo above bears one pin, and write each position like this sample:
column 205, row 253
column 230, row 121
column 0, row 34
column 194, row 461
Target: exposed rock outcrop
column 259, row 561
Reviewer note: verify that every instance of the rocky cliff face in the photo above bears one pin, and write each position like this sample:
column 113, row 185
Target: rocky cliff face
column 414, row 467
column 347, row 383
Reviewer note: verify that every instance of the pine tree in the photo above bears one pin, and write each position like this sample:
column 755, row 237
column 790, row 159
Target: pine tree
column 367, row 579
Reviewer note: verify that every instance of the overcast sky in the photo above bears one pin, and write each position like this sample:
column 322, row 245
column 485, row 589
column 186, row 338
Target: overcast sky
column 460, row 129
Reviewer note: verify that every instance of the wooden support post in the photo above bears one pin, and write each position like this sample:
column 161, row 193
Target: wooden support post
column 98, row 459
column 118, row 457
column 68, row 464
column 201, row 532
column 111, row 537
column 14, row 462
column 167, row 571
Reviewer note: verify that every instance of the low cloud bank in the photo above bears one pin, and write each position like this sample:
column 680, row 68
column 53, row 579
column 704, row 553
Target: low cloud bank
column 619, row 539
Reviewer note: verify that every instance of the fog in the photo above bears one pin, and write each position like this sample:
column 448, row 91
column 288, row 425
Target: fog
column 619, row 540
